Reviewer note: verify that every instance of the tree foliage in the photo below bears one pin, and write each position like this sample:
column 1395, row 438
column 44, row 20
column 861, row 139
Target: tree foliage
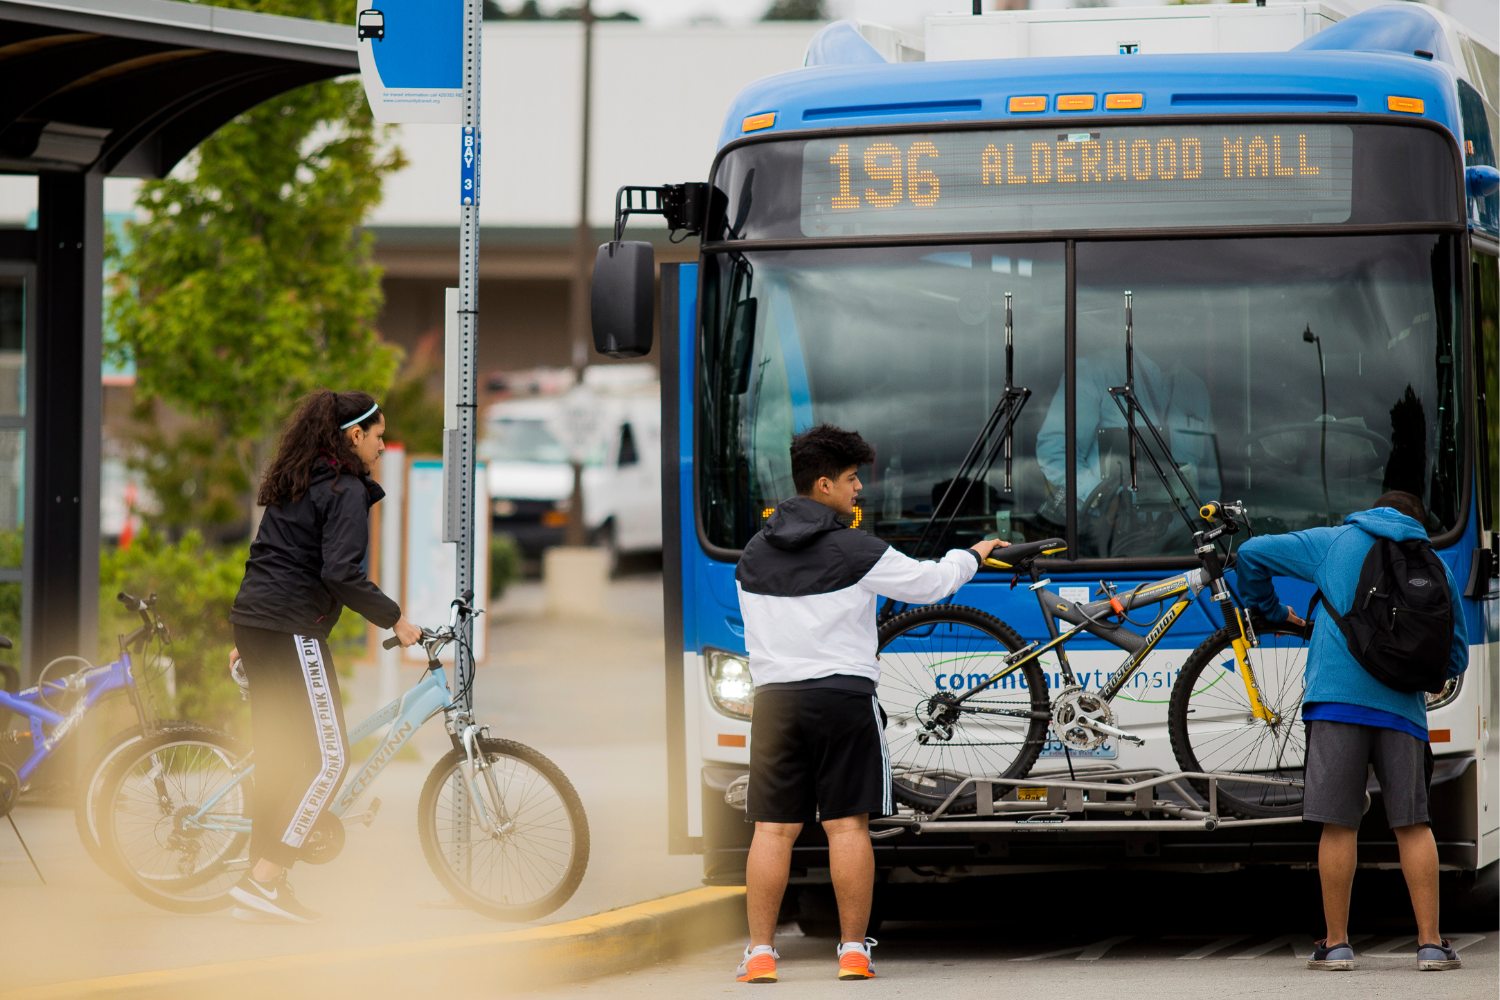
column 795, row 10
column 249, row 281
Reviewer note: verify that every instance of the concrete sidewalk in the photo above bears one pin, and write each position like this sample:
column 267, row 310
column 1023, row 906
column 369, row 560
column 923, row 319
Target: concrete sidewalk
column 587, row 692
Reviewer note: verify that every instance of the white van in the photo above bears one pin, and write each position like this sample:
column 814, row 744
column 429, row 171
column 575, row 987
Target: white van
column 530, row 480
column 622, row 482
column 615, row 419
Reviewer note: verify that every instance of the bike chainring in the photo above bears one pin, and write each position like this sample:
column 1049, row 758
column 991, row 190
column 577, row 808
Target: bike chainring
column 1074, row 710
column 325, row 842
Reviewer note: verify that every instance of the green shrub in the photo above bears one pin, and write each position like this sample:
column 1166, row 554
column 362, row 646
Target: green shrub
column 195, row 585
column 11, row 544
column 505, row 564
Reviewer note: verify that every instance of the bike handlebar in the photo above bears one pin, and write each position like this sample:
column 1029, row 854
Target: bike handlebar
column 446, row 635
column 1216, row 510
column 151, row 624
column 461, row 610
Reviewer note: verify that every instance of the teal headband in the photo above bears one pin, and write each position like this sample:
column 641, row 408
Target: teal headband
column 361, row 418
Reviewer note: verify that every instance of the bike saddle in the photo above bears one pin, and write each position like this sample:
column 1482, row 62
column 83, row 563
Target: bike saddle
column 1019, row 555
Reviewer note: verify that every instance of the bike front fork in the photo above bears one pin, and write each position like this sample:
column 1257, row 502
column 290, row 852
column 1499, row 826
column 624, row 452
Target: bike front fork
column 483, row 789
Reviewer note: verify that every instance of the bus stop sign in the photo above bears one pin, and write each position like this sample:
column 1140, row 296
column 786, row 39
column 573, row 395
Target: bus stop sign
column 411, row 59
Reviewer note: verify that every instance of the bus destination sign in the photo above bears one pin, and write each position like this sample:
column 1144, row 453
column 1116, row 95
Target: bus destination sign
column 1085, row 178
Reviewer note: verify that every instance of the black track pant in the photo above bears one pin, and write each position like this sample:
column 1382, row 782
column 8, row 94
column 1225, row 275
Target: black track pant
column 297, row 731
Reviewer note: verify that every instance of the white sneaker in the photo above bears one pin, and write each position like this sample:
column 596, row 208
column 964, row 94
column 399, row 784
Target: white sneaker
column 854, row 959
column 758, row 965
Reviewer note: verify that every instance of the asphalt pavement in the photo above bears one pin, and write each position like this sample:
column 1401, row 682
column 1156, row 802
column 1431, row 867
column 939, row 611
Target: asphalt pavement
column 586, row 691
column 1010, row 957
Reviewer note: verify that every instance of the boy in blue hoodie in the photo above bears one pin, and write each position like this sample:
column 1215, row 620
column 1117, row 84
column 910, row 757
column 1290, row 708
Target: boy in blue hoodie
column 1354, row 721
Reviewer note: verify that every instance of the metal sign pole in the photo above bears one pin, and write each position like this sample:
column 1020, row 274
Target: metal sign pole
column 460, row 471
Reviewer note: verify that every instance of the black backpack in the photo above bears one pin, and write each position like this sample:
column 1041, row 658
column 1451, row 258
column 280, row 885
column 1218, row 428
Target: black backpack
column 1400, row 623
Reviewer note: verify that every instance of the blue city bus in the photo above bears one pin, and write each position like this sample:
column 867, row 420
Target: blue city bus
column 1308, row 239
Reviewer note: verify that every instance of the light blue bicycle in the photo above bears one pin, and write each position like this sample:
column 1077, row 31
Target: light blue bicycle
column 501, row 826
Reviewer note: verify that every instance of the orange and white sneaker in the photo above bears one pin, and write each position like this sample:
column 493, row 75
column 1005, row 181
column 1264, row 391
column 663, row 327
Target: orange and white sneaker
column 758, row 965
column 854, row 959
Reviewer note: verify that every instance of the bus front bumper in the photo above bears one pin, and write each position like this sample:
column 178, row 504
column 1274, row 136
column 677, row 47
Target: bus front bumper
column 1453, row 807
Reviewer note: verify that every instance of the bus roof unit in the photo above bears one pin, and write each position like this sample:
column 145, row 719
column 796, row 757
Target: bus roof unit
column 1402, row 59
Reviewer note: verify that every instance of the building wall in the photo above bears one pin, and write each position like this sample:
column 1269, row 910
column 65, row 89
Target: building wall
column 659, row 99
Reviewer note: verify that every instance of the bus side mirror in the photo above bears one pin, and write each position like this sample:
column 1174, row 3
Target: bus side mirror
column 621, row 302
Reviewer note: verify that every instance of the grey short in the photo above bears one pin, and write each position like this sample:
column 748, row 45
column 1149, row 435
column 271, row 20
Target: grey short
column 1339, row 757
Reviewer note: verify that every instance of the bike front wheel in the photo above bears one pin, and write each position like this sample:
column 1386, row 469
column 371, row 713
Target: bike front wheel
column 174, row 818
column 509, row 839
column 928, row 658
column 1214, row 727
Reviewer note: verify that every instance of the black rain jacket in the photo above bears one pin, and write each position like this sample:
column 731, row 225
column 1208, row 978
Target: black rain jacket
column 308, row 560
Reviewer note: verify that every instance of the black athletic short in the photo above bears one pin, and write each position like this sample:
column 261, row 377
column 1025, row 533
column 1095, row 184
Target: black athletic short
column 817, row 754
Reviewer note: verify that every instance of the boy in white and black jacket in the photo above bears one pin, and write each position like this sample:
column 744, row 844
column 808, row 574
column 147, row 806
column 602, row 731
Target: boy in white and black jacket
column 807, row 588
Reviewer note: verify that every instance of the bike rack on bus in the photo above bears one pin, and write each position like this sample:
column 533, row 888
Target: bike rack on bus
column 1134, row 800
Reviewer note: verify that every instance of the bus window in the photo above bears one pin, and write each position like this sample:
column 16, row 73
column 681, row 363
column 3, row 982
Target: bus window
column 1304, row 376
column 905, row 345
column 1480, row 127
column 1486, row 282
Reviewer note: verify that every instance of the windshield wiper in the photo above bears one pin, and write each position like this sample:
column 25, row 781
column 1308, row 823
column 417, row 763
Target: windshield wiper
column 1131, row 409
column 994, row 441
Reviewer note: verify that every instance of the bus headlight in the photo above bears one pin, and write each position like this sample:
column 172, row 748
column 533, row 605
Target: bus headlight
column 1446, row 695
column 729, row 684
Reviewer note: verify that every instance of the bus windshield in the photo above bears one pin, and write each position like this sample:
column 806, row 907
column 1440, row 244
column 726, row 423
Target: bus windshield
column 1303, row 376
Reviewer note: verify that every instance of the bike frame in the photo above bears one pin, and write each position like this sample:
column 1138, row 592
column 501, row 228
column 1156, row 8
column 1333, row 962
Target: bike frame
column 49, row 728
column 405, row 715
column 1091, row 618
column 1181, row 589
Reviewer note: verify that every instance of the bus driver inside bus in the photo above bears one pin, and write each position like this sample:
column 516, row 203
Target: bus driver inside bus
column 1111, row 522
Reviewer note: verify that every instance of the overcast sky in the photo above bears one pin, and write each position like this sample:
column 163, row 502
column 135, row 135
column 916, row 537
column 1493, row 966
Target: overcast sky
column 1480, row 15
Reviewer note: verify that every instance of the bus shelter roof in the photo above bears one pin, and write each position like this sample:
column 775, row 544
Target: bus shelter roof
column 91, row 89
column 129, row 87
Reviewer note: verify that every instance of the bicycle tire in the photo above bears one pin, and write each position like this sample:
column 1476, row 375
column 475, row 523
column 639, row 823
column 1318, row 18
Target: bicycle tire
column 1212, row 728
column 146, row 795
column 921, row 653
column 86, row 801
column 525, row 873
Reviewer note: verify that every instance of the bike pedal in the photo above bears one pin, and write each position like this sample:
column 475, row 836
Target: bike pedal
column 368, row 816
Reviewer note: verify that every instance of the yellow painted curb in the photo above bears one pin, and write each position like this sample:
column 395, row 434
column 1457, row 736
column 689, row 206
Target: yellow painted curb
column 617, row 940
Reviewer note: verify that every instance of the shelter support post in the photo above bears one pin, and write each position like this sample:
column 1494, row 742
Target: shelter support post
column 63, row 504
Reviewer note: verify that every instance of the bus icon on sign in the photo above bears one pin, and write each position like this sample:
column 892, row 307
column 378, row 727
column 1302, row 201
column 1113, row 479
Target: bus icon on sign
column 1126, row 48
column 372, row 24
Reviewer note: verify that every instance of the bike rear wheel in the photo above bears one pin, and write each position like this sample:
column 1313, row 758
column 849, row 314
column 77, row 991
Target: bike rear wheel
column 175, row 818
column 91, row 792
column 532, row 862
column 931, row 655
column 1213, row 727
